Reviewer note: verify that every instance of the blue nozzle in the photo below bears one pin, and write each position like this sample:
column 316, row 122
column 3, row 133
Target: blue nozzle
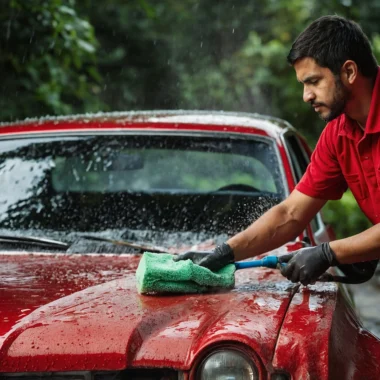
column 268, row 262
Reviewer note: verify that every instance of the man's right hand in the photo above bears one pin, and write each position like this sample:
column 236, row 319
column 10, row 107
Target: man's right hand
column 214, row 259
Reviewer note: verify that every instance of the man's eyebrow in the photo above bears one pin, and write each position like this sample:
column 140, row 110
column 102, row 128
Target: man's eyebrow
column 310, row 78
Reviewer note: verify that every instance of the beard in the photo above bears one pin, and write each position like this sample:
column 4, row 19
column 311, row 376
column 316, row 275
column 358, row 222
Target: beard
column 340, row 98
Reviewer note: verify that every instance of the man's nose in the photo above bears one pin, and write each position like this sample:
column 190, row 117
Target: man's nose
column 308, row 95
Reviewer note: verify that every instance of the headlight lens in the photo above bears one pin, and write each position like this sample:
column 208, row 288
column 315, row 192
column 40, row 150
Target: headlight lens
column 227, row 365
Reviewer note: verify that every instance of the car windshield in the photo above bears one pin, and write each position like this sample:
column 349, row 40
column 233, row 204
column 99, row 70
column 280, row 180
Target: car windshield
column 136, row 187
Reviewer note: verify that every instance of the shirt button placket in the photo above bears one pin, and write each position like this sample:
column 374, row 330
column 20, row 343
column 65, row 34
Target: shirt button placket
column 366, row 164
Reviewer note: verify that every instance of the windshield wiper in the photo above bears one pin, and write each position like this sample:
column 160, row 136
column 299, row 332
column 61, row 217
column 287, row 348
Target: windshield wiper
column 238, row 187
column 126, row 243
column 34, row 241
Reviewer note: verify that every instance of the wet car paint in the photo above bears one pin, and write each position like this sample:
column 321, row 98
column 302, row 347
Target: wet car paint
column 83, row 312
column 305, row 333
column 71, row 312
column 322, row 338
column 29, row 281
column 162, row 120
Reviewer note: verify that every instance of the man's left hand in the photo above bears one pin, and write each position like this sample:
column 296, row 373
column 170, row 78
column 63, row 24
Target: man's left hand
column 307, row 264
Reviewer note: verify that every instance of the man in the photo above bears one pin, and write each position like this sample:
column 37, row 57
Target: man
column 333, row 60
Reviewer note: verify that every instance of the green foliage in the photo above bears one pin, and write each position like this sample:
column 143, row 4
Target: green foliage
column 208, row 54
column 345, row 216
column 134, row 53
column 48, row 60
column 147, row 54
column 255, row 76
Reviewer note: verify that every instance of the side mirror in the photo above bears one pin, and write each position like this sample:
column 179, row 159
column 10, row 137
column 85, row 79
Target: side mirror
column 330, row 232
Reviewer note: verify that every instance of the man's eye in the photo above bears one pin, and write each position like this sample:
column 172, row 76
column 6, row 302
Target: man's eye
column 314, row 82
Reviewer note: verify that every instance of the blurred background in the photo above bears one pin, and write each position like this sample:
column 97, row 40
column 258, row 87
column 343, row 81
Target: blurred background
column 65, row 56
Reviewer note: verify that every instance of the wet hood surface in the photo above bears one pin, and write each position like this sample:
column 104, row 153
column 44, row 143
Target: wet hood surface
column 82, row 312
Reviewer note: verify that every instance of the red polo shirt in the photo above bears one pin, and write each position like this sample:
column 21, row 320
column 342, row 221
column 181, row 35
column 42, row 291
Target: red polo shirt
column 347, row 156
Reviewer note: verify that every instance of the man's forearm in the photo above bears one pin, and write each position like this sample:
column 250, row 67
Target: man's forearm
column 361, row 247
column 276, row 227
column 280, row 224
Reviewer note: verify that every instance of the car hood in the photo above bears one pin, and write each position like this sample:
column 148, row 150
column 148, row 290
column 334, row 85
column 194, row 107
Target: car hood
column 82, row 312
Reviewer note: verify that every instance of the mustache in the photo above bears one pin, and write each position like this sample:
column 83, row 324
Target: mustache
column 314, row 104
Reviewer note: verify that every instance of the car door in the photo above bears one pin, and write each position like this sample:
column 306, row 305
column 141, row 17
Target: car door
column 300, row 159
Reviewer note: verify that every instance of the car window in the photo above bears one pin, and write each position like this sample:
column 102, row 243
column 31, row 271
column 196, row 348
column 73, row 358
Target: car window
column 159, row 170
column 92, row 183
column 300, row 161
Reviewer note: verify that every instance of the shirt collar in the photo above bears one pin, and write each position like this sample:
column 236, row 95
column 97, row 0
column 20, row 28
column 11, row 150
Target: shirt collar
column 351, row 129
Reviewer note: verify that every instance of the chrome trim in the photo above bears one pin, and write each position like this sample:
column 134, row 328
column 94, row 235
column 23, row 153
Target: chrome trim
column 321, row 235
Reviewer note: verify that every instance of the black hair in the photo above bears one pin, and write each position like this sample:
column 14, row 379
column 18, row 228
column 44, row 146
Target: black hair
column 331, row 41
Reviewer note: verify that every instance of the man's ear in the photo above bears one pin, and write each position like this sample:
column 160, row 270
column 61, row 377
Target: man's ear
column 349, row 72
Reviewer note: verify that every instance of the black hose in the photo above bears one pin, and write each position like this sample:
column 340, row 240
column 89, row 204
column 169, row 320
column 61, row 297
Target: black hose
column 357, row 273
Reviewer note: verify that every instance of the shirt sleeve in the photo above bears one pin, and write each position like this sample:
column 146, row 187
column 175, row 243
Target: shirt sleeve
column 323, row 177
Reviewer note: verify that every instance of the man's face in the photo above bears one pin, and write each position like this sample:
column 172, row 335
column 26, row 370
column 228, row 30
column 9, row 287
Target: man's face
column 325, row 92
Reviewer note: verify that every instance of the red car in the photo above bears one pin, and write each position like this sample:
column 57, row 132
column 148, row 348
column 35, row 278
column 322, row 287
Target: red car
column 83, row 196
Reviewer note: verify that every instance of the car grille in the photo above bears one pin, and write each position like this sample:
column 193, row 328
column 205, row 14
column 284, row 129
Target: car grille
column 139, row 374
column 130, row 374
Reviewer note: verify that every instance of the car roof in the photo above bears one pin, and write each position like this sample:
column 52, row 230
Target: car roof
column 245, row 122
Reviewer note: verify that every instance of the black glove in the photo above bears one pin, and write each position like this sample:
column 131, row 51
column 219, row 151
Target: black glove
column 214, row 260
column 307, row 264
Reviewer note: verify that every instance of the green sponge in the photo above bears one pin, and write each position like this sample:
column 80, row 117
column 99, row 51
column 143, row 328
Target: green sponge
column 159, row 273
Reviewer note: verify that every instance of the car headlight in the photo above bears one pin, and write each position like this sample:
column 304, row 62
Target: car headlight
column 227, row 365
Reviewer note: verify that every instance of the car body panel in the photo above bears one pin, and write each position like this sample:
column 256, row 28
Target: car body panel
column 171, row 120
column 29, row 281
column 83, row 312
column 354, row 352
column 305, row 332
column 322, row 338
column 68, row 312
